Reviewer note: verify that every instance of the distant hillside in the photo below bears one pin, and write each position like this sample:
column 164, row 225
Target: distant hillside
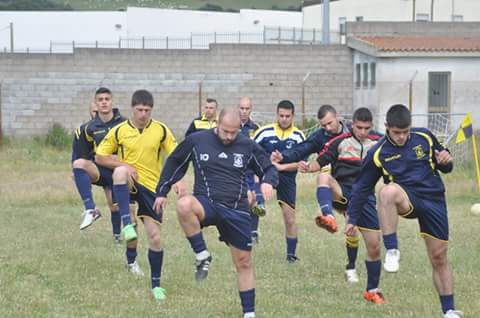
column 210, row 5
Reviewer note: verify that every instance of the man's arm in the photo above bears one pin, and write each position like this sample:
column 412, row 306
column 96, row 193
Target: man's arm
column 314, row 143
column 175, row 167
column 442, row 157
column 109, row 146
column 329, row 153
column 261, row 165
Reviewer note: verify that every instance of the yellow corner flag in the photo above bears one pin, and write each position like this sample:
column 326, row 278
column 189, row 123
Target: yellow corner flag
column 466, row 129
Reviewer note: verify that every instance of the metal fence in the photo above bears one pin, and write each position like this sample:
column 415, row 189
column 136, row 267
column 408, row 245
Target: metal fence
column 270, row 35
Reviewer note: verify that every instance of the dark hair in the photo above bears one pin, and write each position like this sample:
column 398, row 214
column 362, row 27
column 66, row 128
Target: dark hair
column 324, row 109
column 142, row 97
column 362, row 114
column 212, row 100
column 399, row 116
column 286, row 104
column 103, row 90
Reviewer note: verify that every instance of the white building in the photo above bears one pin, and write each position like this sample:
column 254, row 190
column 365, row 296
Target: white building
column 36, row 30
column 391, row 10
column 430, row 74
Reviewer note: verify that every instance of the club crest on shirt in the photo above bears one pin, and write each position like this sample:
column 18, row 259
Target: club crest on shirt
column 419, row 151
column 238, row 160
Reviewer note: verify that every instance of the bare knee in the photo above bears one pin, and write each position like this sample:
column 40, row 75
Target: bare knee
column 373, row 250
column 388, row 193
column 120, row 174
column 81, row 164
column 323, row 179
column 438, row 257
column 185, row 206
column 243, row 262
column 154, row 239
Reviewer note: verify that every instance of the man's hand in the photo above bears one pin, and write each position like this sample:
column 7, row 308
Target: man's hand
column 276, row 156
column 443, row 157
column 180, row 188
column 306, row 167
column 350, row 229
column 267, row 191
column 160, row 204
column 303, row 166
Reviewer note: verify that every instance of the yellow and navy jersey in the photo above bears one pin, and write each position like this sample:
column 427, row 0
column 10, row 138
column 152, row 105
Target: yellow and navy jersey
column 413, row 166
column 249, row 128
column 272, row 137
column 201, row 123
column 90, row 134
column 143, row 149
column 75, row 142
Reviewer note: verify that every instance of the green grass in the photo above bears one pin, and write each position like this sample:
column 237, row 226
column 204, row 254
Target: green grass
column 49, row 269
column 183, row 4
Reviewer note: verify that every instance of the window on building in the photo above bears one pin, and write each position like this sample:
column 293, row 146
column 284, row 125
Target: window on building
column 422, row 17
column 365, row 75
column 373, row 74
column 359, row 18
column 457, row 18
column 358, row 75
column 438, row 92
column 342, row 21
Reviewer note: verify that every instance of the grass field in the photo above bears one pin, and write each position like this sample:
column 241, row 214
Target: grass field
column 183, row 4
column 49, row 269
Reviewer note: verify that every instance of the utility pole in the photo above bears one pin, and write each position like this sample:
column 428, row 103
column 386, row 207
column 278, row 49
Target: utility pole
column 11, row 37
column 413, row 10
column 432, row 3
column 326, row 22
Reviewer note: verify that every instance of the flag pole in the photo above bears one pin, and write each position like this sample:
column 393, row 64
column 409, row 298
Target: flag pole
column 475, row 155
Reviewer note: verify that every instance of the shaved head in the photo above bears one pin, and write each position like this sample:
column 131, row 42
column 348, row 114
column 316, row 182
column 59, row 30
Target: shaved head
column 229, row 116
column 228, row 125
column 245, row 107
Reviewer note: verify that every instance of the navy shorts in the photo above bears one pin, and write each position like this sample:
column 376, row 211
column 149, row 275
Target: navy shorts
column 233, row 225
column 431, row 214
column 145, row 200
column 106, row 177
column 286, row 190
column 368, row 219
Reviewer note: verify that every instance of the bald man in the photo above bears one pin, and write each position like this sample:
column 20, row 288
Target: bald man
column 257, row 204
column 221, row 157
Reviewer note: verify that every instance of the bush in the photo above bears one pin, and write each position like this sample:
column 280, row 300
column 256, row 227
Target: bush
column 58, row 137
column 211, row 7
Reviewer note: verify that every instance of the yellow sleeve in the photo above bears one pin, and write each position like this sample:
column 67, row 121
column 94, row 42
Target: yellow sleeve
column 169, row 143
column 109, row 144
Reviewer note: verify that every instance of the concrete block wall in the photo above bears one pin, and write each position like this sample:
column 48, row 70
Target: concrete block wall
column 40, row 89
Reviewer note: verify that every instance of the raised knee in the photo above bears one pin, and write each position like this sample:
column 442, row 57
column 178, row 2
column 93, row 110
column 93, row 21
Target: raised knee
column 184, row 205
column 388, row 192
column 120, row 173
column 80, row 164
column 323, row 178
